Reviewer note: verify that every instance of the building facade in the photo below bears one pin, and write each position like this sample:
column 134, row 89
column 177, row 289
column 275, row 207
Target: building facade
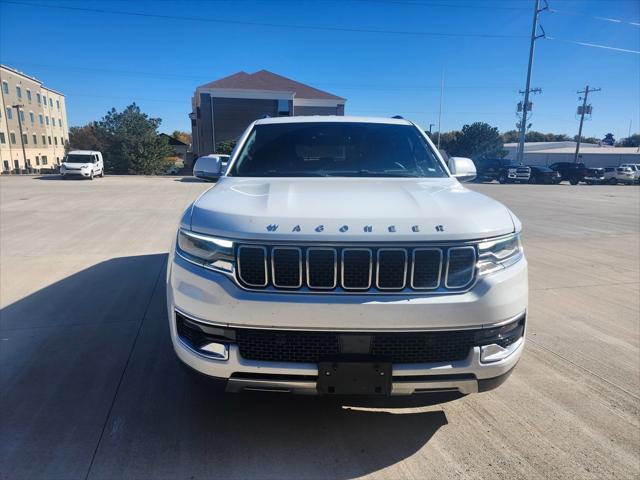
column 222, row 109
column 593, row 156
column 41, row 113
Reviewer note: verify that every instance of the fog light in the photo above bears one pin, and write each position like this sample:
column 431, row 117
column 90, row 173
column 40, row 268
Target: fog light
column 215, row 350
column 494, row 352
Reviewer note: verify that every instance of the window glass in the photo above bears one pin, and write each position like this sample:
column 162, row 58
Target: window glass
column 12, row 137
column 2, row 139
column 32, row 117
column 18, row 91
column 29, row 95
column 34, row 137
column 24, row 138
column 341, row 149
column 9, row 113
column 5, row 87
column 40, row 118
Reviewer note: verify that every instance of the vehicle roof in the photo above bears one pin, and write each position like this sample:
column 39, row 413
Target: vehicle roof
column 83, row 152
column 333, row 119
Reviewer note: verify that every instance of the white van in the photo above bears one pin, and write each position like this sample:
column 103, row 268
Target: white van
column 82, row 163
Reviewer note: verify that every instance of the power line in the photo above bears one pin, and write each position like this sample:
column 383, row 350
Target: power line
column 268, row 24
column 595, row 17
column 593, row 45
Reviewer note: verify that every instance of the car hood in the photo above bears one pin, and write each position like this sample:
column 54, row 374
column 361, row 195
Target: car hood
column 339, row 209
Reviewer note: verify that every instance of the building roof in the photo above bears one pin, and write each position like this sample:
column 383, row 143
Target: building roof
column 332, row 119
column 266, row 80
column 173, row 140
column 570, row 147
column 33, row 79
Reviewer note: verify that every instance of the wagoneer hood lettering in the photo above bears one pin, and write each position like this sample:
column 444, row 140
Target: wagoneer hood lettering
column 335, row 209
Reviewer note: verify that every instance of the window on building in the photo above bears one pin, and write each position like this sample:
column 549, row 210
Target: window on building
column 2, row 139
column 50, row 102
column 37, row 160
column 28, row 162
column 44, row 159
column 55, row 140
column 60, row 122
column 53, row 121
column 44, row 140
column 16, row 165
column 32, row 117
column 6, row 165
column 34, row 137
column 46, row 120
column 58, row 104
column 21, row 112
column 49, row 138
column 40, row 118
column 44, row 100
column 61, row 140
column 5, row 87
column 29, row 95
column 12, row 137
column 38, row 99
column 24, row 139
column 9, row 113
column 18, row 92
column 283, row 108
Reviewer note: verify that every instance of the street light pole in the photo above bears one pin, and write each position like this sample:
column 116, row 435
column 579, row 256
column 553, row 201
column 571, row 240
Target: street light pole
column 582, row 112
column 24, row 152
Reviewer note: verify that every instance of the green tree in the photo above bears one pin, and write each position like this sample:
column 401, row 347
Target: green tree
column 84, row 138
column 226, row 147
column 131, row 143
column 632, row 141
column 476, row 141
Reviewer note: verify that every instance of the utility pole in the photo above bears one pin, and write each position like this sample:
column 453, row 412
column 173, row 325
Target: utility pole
column 24, row 153
column 431, row 125
column 440, row 110
column 534, row 37
column 581, row 111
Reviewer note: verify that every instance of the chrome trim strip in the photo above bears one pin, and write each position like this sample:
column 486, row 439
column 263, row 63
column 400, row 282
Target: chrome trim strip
column 473, row 272
column 515, row 318
column 370, row 252
column 413, row 267
column 404, row 276
column 273, row 267
column 266, row 270
column 335, row 268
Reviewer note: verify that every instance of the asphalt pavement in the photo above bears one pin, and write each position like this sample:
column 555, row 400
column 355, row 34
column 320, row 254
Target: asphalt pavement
column 91, row 389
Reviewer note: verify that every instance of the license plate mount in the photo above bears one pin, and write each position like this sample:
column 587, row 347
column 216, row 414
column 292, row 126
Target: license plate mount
column 354, row 378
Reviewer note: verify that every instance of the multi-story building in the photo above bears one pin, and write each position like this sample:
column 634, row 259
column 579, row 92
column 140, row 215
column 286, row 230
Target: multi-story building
column 40, row 113
column 222, row 109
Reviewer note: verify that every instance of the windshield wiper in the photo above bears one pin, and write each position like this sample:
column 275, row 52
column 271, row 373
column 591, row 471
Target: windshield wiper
column 369, row 173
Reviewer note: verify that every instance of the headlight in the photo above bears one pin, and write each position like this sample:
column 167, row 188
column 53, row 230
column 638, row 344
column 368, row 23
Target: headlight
column 210, row 252
column 498, row 254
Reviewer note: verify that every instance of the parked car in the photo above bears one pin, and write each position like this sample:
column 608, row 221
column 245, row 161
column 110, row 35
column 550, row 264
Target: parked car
column 595, row 176
column 340, row 255
column 636, row 169
column 82, row 164
column 543, row 175
column 501, row 169
column 624, row 175
column 574, row 173
column 210, row 167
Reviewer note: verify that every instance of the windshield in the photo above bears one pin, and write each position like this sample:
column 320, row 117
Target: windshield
column 340, row 149
column 78, row 158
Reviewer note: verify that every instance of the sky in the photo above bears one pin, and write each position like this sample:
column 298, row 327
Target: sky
column 386, row 57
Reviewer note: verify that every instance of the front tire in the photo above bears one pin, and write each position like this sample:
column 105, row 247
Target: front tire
column 91, row 175
column 613, row 181
column 574, row 181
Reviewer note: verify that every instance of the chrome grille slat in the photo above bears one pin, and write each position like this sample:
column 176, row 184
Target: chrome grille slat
column 401, row 269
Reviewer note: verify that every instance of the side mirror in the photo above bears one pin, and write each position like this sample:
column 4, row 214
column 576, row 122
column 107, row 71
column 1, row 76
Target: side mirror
column 207, row 168
column 462, row 168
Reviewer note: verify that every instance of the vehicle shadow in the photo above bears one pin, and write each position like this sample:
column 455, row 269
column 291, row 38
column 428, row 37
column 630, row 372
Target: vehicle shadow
column 192, row 180
column 95, row 383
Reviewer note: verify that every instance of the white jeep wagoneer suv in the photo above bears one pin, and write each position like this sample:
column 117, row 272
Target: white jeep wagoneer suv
column 342, row 255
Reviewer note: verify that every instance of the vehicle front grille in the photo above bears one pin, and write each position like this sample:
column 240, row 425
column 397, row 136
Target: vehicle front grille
column 313, row 347
column 356, row 269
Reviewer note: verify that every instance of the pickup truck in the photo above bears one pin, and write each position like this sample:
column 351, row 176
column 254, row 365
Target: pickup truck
column 343, row 256
column 503, row 170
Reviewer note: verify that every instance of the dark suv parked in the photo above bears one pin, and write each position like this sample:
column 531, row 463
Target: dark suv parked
column 543, row 175
column 501, row 169
column 573, row 172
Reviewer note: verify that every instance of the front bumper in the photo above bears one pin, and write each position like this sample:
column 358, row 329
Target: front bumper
column 213, row 299
column 76, row 173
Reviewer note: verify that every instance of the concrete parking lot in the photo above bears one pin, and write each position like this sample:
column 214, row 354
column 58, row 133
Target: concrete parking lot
column 90, row 386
